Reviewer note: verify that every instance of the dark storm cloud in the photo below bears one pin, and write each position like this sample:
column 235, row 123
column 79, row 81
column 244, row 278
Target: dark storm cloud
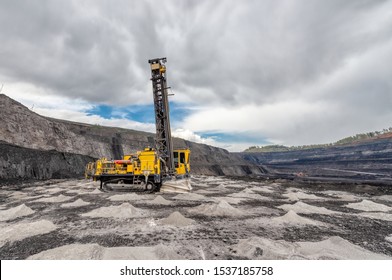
column 223, row 52
column 71, row 49
column 266, row 50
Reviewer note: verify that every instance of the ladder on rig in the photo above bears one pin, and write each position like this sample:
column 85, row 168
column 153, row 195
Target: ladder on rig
column 163, row 139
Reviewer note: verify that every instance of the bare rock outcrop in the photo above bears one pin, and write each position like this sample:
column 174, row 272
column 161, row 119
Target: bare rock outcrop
column 367, row 160
column 18, row 163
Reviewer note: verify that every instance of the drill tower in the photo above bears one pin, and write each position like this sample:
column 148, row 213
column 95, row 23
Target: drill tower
column 163, row 140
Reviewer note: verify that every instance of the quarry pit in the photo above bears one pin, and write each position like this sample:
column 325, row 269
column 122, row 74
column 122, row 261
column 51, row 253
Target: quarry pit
column 222, row 218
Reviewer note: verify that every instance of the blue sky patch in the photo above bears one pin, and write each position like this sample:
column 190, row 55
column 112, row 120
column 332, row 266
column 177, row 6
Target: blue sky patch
column 234, row 137
column 139, row 113
column 178, row 112
column 101, row 110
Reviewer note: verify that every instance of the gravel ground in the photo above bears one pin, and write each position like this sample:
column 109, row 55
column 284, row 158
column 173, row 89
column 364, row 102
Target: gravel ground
column 223, row 218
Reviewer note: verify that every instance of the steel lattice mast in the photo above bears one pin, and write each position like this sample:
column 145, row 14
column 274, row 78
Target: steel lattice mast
column 163, row 140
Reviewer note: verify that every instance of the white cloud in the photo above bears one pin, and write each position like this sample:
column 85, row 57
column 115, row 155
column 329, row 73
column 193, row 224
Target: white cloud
column 288, row 73
column 61, row 107
column 348, row 101
column 35, row 97
column 270, row 121
column 191, row 136
column 213, row 141
column 83, row 117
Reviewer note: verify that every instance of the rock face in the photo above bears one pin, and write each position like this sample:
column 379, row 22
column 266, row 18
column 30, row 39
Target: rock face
column 22, row 127
column 40, row 147
column 18, row 163
column 365, row 160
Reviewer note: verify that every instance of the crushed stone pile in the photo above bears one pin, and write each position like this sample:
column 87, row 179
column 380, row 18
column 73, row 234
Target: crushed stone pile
column 122, row 211
column 377, row 215
column 216, row 209
column 389, row 238
column 266, row 249
column 367, row 205
column 54, row 190
column 232, row 200
column 192, row 197
column 126, row 197
column 96, row 191
column 249, row 190
column 340, row 195
column 34, row 197
column 335, row 248
column 295, row 196
column 15, row 212
column 21, row 231
column 91, row 185
column 18, row 195
column 159, row 200
column 158, row 252
column 263, row 189
column 54, row 199
column 230, row 186
column 177, row 219
column 248, row 194
column 78, row 191
column 96, row 252
column 384, row 197
column 291, row 218
column 304, row 208
column 78, row 203
column 200, row 185
column 205, row 191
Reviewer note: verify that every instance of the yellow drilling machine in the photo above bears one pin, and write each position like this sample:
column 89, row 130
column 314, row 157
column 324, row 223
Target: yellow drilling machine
column 161, row 169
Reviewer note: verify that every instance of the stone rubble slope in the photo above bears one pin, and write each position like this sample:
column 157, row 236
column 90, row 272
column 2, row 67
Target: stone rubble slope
column 332, row 248
column 96, row 252
column 367, row 205
column 177, row 219
column 15, row 212
column 122, row 211
column 304, row 208
column 77, row 203
column 291, row 218
column 216, row 209
column 23, row 230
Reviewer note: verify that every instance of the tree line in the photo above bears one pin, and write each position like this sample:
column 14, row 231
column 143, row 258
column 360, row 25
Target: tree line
column 348, row 140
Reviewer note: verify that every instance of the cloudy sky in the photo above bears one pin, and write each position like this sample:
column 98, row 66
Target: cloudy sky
column 243, row 72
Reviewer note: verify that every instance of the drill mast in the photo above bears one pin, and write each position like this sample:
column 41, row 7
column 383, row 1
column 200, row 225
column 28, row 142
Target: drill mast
column 163, row 139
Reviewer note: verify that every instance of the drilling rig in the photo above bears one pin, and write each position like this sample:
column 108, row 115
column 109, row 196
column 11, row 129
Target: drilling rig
column 161, row 169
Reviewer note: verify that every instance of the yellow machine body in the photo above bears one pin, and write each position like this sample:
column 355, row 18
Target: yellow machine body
column 89, row 170
column 182, row 161
column 143, row 166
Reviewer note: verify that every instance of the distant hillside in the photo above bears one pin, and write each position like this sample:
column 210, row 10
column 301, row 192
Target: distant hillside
column 358, row 138
column 362, row 160
column 37, row 147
